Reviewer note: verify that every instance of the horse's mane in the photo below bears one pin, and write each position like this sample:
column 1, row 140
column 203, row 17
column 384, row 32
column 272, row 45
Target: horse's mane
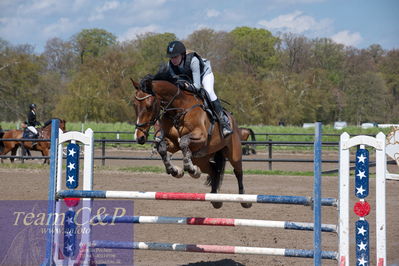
column 166, row 76
column 149, row 78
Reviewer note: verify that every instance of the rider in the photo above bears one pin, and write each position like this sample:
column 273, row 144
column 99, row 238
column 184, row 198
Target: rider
column 32, row 122
column 199, row 70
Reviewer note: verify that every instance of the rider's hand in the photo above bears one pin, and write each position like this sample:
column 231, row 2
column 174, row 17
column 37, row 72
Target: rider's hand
column 182, row 84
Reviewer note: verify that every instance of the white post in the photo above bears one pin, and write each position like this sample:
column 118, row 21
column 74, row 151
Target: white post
column 343, row 201
column 87, row 185
column 57, row 233
column 380, row 201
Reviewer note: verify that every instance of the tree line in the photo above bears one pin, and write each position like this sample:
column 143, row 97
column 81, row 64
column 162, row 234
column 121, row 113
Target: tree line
column 264, row 79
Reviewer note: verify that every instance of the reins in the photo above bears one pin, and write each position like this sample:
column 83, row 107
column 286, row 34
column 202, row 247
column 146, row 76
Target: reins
column 181, row 114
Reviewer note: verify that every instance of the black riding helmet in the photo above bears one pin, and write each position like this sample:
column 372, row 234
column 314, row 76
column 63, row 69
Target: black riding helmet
column 175, row 48
column 32, row 105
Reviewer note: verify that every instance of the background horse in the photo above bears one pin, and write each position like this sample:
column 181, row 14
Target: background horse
column 245, row 133
column 42, row 146
column 186, row 127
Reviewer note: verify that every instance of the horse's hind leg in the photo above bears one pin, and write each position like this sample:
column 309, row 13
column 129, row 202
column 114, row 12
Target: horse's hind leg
column 45, row 153
column 216, row 174
column 13, row 153
column 162, row 149
column 214, row 189
column 192, row 169
column 241, row 190
column 236, row 161
column 4, row 152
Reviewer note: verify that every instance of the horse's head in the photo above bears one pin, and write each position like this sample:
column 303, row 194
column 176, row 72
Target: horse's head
column 46, row 129
column 62, row 125
column 147, row 110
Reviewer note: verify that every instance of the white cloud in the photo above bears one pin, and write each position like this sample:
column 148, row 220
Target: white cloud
column 132, row 33
column 210, row 13
column 108, row 6
column 99, row 11
column 145, row 4
column 16, row 28
column 38, row 5
column 39, row 8
column 347, row 38
column 134, row 17
column 79, row 4
column 296, row 22
column 61, row 27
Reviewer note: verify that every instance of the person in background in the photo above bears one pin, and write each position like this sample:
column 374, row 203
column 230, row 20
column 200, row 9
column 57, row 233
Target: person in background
column 32, row 122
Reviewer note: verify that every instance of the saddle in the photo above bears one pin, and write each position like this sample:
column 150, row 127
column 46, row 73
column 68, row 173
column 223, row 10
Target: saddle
column 30, row 135
column 209, row 109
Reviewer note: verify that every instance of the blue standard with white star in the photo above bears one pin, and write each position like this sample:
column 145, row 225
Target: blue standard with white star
column 69, row 234
column 362, row 243
column 72, row 166
column 362, row 174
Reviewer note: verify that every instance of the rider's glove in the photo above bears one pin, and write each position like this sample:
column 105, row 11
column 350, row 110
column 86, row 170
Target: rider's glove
column 182, row 84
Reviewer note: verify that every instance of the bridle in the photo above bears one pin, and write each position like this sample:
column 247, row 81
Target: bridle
column 139, row 126
column 164, row 108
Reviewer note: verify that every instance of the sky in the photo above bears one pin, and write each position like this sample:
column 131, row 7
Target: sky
column 357, row 23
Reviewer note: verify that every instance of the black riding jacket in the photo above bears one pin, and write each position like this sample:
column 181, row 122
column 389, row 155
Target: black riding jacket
column 186, row 70
column 32, row 119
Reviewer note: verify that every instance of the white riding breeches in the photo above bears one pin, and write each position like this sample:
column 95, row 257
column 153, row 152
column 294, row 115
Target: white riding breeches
column 33, row 130
column 207, row 83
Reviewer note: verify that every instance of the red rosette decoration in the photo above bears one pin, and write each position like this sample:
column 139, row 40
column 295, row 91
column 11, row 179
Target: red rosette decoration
column 362, row 208
column 71, row 202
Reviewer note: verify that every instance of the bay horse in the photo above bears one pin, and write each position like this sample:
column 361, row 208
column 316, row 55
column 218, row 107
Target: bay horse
column 185, row 126
column 42, row 146
column 245, row 133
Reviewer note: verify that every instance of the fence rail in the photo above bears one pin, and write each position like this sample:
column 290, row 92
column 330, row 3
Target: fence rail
column 268, row 145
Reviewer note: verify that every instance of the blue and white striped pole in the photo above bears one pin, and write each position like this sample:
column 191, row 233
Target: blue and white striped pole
column 317, row 196
column 55, row 124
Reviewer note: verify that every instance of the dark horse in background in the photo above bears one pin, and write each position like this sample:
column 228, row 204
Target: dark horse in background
column 42, row 146
column 245, row 133
column 186, row 126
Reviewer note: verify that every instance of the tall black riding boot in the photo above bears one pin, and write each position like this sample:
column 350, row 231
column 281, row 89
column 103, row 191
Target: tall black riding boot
column 217, row 107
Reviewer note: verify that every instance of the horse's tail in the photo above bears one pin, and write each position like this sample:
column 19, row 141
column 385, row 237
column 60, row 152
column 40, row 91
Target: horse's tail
column 252, row 133
column 218, row 167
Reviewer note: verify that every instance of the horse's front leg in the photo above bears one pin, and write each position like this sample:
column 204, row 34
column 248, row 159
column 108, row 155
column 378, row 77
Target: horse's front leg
column 192, row 169
column 13, row 153
column 162, row 148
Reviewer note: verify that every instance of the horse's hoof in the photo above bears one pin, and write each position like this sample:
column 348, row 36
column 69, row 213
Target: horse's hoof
column 177, row 172
column 196, row 173
column 187, row 168
column 246, row 205
column 217, row 205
